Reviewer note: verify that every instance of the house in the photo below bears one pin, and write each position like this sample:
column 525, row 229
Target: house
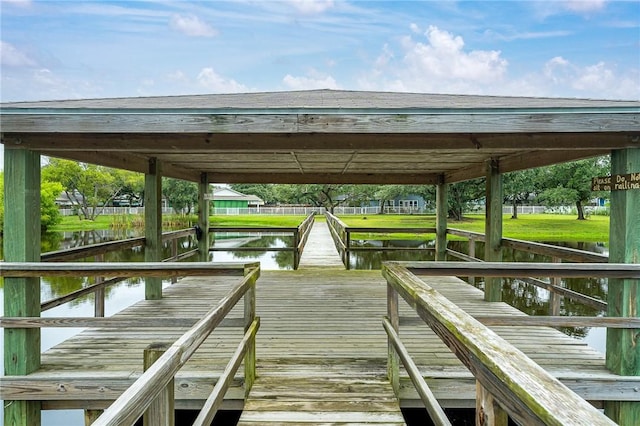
column 401, row 204
column 227, row 198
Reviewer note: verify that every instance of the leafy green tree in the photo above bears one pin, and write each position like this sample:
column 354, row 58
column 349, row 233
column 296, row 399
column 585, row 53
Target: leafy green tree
column 49, row 212
column 328, row 196
column 181, row 194
column 520, row 186
column 1, row 201
column 265, row 191
column 462, row 195
column 90, row 188
column 570, row 183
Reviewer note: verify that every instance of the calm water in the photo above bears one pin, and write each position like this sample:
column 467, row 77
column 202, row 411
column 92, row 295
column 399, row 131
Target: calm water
column 525, row 297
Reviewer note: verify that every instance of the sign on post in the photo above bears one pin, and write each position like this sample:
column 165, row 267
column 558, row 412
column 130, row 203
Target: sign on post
column 616, row 182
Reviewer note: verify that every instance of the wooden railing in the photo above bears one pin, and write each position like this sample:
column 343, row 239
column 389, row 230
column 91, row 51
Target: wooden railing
column 505, row 376
column 141, row 396
column 557, row 255
column 98, row 251
column 299, row 233
column 342, row 237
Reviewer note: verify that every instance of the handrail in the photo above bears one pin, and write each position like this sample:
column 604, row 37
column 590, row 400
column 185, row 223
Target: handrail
column 565, row 253
column 299, row 233
column 98, row 250
column 134, row 401
column 301, row 236
column 107, row 247
column 437, row 414
column 528, row 393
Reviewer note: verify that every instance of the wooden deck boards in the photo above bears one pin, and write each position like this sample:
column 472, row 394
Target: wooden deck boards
column 321, row 328
column 320, row 249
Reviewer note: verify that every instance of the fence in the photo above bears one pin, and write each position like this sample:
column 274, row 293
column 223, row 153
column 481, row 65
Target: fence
column 341, row 210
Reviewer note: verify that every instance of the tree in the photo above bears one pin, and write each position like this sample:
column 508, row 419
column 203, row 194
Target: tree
column 181, row 194
column 462, row 195
column 570, row 183
column 49, row 212
column 265, row 191
column 519, row 186
column 88, row 187
column 327, row 196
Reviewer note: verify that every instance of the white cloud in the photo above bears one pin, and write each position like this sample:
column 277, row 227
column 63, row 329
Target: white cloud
column 438, row 64
column 582, row 6
column 10, row 56
column 213, row 81
column 597, row 80
column 310, row 7
column 314, row 80
column 192, row 26
column 20, row 3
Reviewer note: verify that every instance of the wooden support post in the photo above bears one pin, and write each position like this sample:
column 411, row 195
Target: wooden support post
column 488, row 411
column 91, row 416
column 441, row 219
column 296, row 250
column 393, row 360
column 347, row 247
column 161, row 411
column 472, row 253
column 174, row 255
column 21, row 295
column 153, row 226
column 555, row 298
column 493, row 229
column 98, row 295
column 250, row 356
column 204, row 241
column 623, row 350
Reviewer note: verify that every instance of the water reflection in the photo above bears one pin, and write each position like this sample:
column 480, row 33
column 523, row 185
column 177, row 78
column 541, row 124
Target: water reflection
column 526, row 297
column 269, row 260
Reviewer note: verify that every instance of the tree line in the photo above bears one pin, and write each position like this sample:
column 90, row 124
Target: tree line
column 90, row 188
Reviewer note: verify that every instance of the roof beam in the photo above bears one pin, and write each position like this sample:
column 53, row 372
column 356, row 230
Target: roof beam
column 342, row 121
column 522, row 161
column 124, row 161
column 168, row 143
column 328, row 178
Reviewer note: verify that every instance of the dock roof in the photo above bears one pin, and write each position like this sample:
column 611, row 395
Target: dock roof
column 323, row 136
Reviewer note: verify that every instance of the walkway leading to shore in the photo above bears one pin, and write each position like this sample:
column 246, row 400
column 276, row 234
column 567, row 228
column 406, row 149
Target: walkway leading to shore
column 320, row 250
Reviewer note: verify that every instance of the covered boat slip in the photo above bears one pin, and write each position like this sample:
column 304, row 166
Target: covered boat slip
column 327, row 136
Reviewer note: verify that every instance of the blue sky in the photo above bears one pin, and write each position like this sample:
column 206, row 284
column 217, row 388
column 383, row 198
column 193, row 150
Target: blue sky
column 75, row 49
column 92, row 49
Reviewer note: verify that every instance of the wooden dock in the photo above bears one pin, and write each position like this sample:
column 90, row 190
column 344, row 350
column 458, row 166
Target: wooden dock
column 321, row 252
column 321, row 352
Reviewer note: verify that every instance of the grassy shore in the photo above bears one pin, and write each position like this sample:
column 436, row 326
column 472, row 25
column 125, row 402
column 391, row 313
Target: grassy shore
column 534, row 227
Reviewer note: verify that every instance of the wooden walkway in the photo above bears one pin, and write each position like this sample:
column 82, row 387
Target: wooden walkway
column 321, row 352
column 320, row 251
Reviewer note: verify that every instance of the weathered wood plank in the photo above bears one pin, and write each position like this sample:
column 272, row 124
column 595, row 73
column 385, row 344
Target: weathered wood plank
column 522, row 270
column 524, row 389
column 122, row 269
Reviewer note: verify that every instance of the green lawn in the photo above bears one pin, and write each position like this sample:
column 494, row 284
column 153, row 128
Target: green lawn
column 534, row 227
column 72, row 223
